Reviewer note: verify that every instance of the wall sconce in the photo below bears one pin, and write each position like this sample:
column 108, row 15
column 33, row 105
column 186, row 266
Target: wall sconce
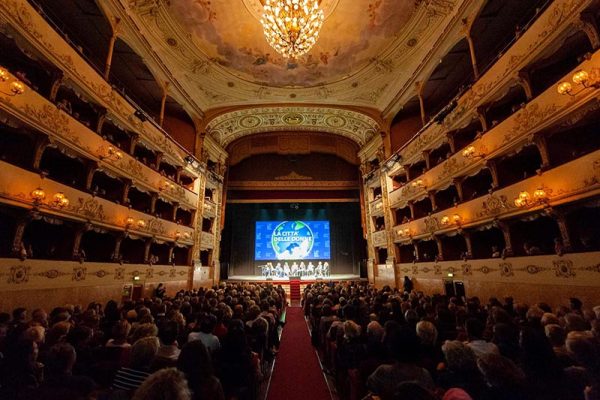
column 580, row 77
column 455, row 219
column 177, row 235
column 540, row 196
column 38, row 195
column 418, row 183
column 60, row 200
column 404, row 233
column 470, row 152
column 16, row 87
column 186, row 235
column 112, row 153
column 523, row 200
column 166, row 185
column 129, row 221
column 141, row 223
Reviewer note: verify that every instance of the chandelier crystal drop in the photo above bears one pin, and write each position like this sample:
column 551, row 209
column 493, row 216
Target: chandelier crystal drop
column 292, row 26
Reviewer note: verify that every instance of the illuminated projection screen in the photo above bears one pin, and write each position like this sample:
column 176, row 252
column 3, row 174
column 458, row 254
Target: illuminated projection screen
column 292, row 240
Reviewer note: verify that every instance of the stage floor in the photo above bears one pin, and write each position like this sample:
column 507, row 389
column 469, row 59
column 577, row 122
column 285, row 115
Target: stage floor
column 260, row 278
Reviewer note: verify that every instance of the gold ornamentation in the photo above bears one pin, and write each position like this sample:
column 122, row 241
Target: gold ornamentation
column 19, row 275
column 90, row 208
column 79, row 274
column 564, row 268
column 432, row 224
column 494, row 205
column 506, row 270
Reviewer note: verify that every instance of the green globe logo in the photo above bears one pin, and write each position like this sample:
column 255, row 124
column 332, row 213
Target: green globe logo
column 292, row 240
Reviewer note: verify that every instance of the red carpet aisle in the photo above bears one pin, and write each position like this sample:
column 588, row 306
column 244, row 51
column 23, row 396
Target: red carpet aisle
column 297, row 372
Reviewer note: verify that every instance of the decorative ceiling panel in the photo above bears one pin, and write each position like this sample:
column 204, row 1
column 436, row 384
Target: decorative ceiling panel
column 230, row 126
column 354, row 33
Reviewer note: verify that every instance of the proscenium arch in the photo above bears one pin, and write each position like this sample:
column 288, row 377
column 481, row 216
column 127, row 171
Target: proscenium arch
column 355, row 125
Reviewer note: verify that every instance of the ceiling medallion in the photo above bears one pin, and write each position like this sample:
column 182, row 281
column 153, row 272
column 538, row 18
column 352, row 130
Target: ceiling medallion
column 292, row 26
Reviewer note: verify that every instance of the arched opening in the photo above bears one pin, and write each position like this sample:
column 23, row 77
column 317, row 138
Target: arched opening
column 446, row 198
column 181, row 255
column 451, row 77
column 64, row 168
column 406, row 123
column 406, row 252
column 574, row 141
column 382, row 255
column 49, row 238
column 503, row 108
column 98, row 245
column 205, row 257
column 498, row 24
column 584, row 227
column 17, row 146
column 108, row 187
column 35, row 72
column 184, row 217
column 139, row 200
column 477, row 185
column 516, row 167
column 83, row 24
column 207, row 224
column 465, row 136
column 9, row 219
column 403, row 215
column 427, row 250
column 487, row 242
column 130, row 74
column 454, row 246
column 534, row 235
column 422, row 208
column 132, row 249
column 440, row 154
column 116, row 135
column 179, row 125
column 546, row 72
column 159, row 252
column 164, row 209
column 417, row 169
column 80, row 108
column 145, row 155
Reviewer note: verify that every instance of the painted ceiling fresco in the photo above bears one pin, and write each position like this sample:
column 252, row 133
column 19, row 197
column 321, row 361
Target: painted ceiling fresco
column 353, row 34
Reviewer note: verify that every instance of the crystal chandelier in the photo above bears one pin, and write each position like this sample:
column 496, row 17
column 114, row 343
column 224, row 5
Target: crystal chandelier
column 292, row 26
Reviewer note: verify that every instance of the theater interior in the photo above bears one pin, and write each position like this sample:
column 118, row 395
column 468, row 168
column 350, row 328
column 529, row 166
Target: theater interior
column 394, row 181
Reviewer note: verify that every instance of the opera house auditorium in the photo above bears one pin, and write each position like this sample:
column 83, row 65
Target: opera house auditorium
column 300, row 199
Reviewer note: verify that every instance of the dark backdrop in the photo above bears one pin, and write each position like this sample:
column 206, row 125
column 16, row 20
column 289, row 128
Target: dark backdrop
column 348, row 247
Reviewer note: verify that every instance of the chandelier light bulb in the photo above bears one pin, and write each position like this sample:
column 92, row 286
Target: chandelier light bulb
column 292, row 27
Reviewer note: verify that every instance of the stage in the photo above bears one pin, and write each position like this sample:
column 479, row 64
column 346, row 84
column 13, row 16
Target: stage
column 304, row 279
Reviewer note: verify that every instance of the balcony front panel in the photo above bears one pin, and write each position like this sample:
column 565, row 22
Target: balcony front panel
column 569, row 182
column 60, row 126
column 16, row 185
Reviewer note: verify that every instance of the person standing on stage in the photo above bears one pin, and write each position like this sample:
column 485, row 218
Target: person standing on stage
column 326, row 269
column 294, row 271
column 278, row 270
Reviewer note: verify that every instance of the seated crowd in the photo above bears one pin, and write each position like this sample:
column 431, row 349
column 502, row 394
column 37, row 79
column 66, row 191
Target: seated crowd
column 200, row 344
column 390, row 344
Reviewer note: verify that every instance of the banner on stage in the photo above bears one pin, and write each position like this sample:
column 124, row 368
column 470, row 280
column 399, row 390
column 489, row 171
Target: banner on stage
column 292, row 240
